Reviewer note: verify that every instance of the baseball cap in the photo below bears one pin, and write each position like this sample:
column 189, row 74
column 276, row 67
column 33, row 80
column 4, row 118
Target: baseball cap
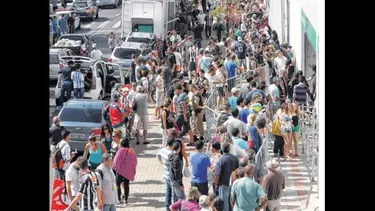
column 117, row 86
column 234, row 90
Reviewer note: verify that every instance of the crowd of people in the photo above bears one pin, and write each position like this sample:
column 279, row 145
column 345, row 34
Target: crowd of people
column 225, row 177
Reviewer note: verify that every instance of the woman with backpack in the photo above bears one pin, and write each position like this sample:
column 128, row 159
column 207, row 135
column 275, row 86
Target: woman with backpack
column 95, row 149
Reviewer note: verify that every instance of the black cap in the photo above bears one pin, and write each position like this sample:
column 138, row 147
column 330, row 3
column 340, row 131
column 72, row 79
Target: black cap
column 70, row 62
column 78, row 66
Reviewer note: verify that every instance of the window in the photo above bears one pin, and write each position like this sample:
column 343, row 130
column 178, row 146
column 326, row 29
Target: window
column 80, row 4
column 125, row 53
column 54, row 59
column 139, row 39
column 82, row 114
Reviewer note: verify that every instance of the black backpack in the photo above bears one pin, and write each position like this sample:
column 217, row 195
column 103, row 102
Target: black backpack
column 58, row 161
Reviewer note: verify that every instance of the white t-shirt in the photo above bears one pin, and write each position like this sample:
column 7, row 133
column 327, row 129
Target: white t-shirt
column 96, row 54
column 280, row 63
column 178, row 58
column 73, row 175
column 200, row 18
column 219, row 76
column 159, row 83
column 65, row 153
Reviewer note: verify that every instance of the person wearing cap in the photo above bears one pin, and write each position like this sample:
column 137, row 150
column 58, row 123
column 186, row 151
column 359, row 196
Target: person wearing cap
column 108, row 182
column 78, row 85
column 233, row 99
column 116, row 89
column 96, row 54
column 246, row 194
column 66, row 82
column 273, row 185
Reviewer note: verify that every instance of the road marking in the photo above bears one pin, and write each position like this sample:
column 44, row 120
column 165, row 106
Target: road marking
column 117, row 25
column 86, row 26
column 103, row 24
column 117, row 15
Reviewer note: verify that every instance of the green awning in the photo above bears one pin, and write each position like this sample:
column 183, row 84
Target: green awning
column 309, row 30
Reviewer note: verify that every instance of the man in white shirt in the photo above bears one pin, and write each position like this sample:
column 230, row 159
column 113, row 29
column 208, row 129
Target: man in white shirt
column 72, row 176
column 66, row 154
column 201, row 17
column 78, row 85
column 280, row 63
column 175, row 36
column 96, row 54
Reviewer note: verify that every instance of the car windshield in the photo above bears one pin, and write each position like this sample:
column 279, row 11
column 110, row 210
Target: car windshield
column 125, row 53
column 70, row 37
column 54, row 59
column 139, row 40
column 80, row 4
column 82, row 112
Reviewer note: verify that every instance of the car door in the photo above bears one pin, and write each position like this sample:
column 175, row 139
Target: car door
column 116, row 71
column 105, row 82
column 99, row 75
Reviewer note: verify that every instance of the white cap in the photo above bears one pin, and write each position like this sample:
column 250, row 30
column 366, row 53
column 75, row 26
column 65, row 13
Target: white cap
column 234, row 90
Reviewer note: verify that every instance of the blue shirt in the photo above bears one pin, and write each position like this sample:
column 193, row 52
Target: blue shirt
column 224, row 167
column 205, row 62
column 240, row 49
column 199, row 163
column 255, row 137
column 62, row 23
column 240, row 143
column 55, row 26
column 51, row 27
column 243, row 115
column 247, row 193
column 232, row 102
column 231, row 66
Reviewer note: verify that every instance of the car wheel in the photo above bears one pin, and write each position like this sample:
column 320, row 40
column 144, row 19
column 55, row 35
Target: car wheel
column 97, row 15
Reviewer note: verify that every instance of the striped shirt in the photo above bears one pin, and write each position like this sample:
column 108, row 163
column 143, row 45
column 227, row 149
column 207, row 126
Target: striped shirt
column 300, row 93
column 77, row 78
column 163, row 155
column 90, row 182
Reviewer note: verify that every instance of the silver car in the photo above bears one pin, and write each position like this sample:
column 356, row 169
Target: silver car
column 82, row 117
column 55, row 63
column 108, row 3
column 122, row 55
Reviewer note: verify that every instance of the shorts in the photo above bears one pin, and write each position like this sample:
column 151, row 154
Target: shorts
column 191, row 66
column 285, row 130
column 181, row 122
column 231, row 83
column 295, row 129
column 220, row 90
column 140, row 121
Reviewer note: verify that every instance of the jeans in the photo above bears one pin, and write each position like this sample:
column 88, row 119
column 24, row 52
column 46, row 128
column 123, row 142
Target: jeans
column 109, row 207
column 177, row 193
column 207, row 31
column 167, row 87
column 224, row 192
column 79, row 93
column 169, row 194
column 66, row 87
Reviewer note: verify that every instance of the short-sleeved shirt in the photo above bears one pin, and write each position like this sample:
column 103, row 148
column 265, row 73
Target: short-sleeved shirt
column 231, row 67
column 273, row 184
column 163, row 154
column 185, row 205
column 72, row 174
column 243, row 115
column 233, row 122
column 252, row 92
column 240, row 143
column 226, row 164
column 247, row 193
column 181, row 99
column 199, row 164
column 232, row 102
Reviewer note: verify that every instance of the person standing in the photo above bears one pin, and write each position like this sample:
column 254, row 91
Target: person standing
column 141, row 114
column 108, row 183
column 63, row 24
column 183, row 113
column 112, row 41
column 72, row 176
column 226, row 164
column 197, row 30
column 246, row 194
column 162, row 156
column 208, row 19
column 55, row 133
column 300, row 91
column 96, row 54
column 78, row 85
column 175, row 169
column 89, row 189
column 240, row 49
column 66, row 82
column 125, row 166
column 199, row 163
column 66, row 155
column 95, row 149
column 117, row 114
column 197, row 112
column 273, row 185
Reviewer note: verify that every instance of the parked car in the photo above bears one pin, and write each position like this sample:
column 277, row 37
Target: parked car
column 80, row 44
column 108, row 3
column 55, row 63
column 82, row 117
column 99, row 74
column 86, row 9
column 122, row 55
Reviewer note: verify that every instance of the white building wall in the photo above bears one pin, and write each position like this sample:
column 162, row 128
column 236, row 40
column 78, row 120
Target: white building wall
column 295, row 37
column 275, row 17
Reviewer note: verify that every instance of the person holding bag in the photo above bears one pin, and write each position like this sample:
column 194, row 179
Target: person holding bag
column 278, row 146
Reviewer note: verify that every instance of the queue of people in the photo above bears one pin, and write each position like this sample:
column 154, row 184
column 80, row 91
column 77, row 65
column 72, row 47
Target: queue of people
column 185, row 76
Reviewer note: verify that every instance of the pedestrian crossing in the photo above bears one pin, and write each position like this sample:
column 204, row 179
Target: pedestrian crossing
column 107, row 24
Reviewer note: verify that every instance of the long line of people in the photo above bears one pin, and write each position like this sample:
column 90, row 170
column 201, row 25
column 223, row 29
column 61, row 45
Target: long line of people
column 185, row 76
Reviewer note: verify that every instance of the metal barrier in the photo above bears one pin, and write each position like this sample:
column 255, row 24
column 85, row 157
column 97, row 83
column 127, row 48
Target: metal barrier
column 211, row 115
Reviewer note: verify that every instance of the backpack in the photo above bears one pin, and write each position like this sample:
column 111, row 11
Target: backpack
column 58, row 161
